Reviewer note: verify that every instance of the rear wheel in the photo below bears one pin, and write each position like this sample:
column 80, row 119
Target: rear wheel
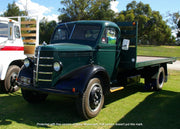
column 92, row 100
column 160, row 79
column 33, row 96
column 157, row 82
column 10, row 80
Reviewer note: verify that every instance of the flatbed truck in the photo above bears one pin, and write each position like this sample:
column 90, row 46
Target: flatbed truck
column 87, row 60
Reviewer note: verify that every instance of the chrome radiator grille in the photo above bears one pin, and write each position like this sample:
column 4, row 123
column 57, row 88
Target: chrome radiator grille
column 42, row 72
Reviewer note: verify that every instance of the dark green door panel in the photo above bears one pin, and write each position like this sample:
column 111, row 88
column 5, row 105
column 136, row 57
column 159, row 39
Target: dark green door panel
column 106, row 57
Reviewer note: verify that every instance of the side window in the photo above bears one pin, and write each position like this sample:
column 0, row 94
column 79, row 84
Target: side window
column 3, row 30
column 109, row 36
column 17, row 32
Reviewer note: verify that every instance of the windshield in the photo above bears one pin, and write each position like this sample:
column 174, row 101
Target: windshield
column 76, row 33
column 3, row 30
column 63, row 32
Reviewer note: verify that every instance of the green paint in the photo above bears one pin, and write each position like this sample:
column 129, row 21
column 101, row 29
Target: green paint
column 84, row 42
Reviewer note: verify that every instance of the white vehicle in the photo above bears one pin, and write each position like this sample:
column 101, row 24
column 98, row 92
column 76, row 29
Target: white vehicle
column 11, row 53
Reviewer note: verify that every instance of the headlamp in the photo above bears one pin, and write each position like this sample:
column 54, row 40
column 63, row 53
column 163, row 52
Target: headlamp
column 26, row 62
column 57, row 66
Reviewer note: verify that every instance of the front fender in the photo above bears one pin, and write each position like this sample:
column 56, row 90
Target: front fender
column 25, row 72
column 79, row 78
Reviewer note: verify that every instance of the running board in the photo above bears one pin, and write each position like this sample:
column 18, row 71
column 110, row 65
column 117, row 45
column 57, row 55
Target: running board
column 113, row 89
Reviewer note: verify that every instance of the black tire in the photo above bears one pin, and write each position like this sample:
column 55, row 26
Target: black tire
column 1, row 87
column 149, row 84
column 160, row 79
column 92, row 100
column 33, row 96
column 10, row 84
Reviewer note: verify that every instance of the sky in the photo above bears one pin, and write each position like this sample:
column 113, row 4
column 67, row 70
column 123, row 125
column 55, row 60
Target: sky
column 49, row 8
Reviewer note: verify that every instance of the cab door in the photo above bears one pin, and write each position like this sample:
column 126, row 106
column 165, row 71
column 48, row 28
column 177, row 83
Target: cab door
column 14, row 34
column 107, row 50
column 17, row 35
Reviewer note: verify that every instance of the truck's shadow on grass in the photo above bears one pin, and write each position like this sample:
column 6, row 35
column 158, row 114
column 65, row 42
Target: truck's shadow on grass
column 156, row 108
column 127, row 91
column 54, row 110
column 14, row 107
column 160, row 110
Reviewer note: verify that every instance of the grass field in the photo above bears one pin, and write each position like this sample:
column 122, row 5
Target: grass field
column 130, row 108
column 166, row 51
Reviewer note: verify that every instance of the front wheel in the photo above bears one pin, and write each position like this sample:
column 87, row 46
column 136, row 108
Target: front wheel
column 10, row 80
column 33, row 96
column 92, row 100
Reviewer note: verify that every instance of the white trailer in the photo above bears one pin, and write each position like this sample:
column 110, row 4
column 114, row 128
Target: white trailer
column 12, row 49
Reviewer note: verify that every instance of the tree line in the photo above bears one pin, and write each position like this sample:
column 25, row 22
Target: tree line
column 152, row 29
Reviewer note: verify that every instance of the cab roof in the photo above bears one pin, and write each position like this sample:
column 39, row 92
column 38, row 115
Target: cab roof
column 100, row 22
column 6, row 20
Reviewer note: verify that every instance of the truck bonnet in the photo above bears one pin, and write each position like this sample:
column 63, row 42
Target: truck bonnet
column 71, row 56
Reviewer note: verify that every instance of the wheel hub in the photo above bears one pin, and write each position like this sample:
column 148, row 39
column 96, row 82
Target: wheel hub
column 13, row 79
column 95, row 97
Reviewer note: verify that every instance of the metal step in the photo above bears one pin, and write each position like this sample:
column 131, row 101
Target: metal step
column 113, row 89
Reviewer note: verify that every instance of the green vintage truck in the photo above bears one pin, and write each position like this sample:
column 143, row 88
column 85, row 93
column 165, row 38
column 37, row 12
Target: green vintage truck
column 87, row 60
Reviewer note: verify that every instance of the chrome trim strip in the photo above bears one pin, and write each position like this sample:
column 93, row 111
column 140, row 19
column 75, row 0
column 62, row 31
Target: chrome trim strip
column 45, row 65
column 45, row 72
column 44, row 80
column 48, row 58
column 37, row 63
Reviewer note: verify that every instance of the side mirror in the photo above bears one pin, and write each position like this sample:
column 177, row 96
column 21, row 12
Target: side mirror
column 125, row 44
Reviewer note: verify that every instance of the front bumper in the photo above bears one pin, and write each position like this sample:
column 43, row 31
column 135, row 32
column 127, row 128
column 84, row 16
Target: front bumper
column 50, row 91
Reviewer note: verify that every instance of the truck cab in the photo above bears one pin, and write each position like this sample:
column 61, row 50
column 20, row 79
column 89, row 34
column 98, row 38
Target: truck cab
column 87, row 60
column 14, row 47
column 11, row 53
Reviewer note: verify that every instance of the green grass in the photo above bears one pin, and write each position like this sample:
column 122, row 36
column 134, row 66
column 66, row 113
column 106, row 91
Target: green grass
column 133, row 105
column 166, row 51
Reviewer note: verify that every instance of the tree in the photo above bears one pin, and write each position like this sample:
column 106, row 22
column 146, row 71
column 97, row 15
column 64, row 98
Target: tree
column 74, row 10
column 100, row 10
column 13, row 10
column 85, row 10
column 46, row 30
column 174, row 21
column 151, row 27
column 120, row 17
column 178, row 34
column 129, row 16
